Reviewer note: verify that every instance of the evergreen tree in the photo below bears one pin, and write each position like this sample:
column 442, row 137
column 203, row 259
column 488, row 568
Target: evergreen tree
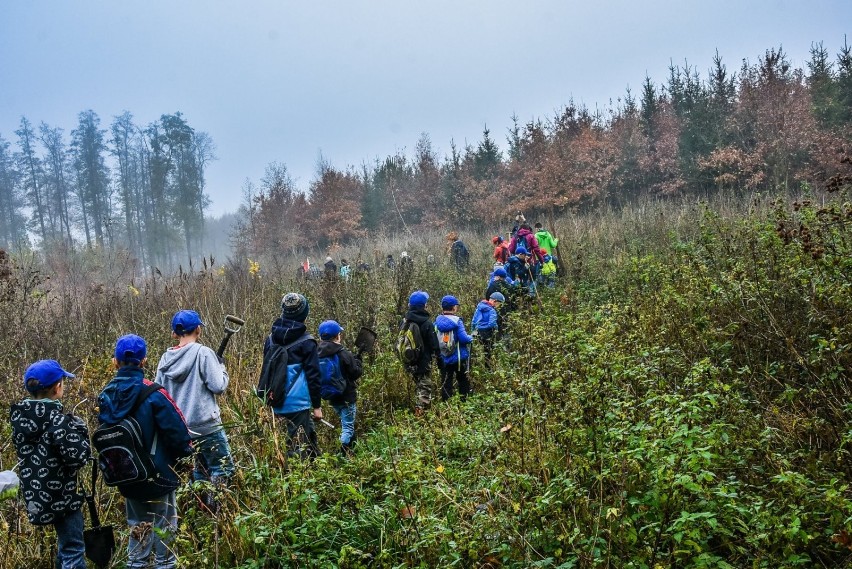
column 650, row 108
column 487, row 158
column 12, row 220
column 56, row 184
column 844, row 86
column 823, row 86
column 89, row 147
column 31, row 169
column 124, row 148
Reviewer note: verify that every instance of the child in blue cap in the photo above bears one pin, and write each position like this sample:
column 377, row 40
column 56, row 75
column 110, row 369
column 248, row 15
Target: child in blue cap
column 51, row 446
column 348, row 365
column 454, row 343
column 193, row 375
column 150, row 504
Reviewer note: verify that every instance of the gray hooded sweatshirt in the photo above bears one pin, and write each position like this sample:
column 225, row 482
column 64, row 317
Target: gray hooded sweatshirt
column 194, row 377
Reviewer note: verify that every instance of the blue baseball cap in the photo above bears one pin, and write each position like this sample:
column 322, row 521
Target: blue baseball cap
column 418, row 298
column 329, row 329
column 501, row 272
column 185, row 322
column 46, row 373
column 449, row 301
column 521, row 251
column 131, row 349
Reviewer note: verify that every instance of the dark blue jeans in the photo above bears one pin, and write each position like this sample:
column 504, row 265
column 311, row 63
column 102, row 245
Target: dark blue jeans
column 213, row 457
column 69, row 535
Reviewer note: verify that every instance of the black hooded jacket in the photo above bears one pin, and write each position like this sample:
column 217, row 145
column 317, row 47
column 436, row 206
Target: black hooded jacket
column 430, row 339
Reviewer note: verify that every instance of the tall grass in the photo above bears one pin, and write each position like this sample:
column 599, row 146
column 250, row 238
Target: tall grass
column 680, row 399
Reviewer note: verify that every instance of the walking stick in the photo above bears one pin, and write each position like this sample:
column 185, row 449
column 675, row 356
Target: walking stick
column 532, row 283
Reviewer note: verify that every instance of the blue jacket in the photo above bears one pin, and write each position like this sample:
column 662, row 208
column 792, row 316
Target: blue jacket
column 485, row 317
column 520, row 272
column 158, row 415
column 447, row 322
column 303, row 372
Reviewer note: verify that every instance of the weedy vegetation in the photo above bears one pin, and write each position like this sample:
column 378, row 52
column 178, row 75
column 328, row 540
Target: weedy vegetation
column 682, row 398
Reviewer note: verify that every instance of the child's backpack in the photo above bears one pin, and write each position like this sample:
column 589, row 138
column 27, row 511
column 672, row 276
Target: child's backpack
column 272, row 385
column 447, row 342
column 332, row 383
column 122, row 456
column 409, row 344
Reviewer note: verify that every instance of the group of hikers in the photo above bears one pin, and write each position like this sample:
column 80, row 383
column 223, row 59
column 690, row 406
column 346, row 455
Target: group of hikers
column 147, row 429
column 527, row 256
column 518, row 265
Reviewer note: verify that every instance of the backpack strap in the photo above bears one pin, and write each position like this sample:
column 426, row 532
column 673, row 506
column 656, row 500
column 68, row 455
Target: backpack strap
column 304, row 338
column 146, row 392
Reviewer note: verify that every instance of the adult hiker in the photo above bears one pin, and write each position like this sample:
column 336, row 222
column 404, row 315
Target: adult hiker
column 547, row 241
column 330, row 268
column 519, row 219
column 525, row 239
column 459, row 255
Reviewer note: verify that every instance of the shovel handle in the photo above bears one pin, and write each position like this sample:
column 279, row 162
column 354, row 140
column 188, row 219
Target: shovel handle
column 91, row 497
column 234, row 319
column 224, row 343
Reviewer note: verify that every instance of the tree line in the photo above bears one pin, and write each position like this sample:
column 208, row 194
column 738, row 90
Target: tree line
column 766, row 127
column 128, row 187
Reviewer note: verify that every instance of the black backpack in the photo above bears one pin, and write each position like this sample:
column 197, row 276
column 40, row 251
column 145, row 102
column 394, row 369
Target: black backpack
column 272, row 386
column 122, row 456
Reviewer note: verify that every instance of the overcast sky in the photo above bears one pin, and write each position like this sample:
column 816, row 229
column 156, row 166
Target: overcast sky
column 282, row 80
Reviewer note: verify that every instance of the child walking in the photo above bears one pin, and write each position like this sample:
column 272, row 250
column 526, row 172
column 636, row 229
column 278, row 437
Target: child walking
column 194, row 376
column 52, row 446
column 454, row 343
column 332, row 352
column 150, row 504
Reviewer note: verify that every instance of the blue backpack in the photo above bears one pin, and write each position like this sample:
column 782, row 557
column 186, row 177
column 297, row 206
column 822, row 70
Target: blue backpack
column 332, row 383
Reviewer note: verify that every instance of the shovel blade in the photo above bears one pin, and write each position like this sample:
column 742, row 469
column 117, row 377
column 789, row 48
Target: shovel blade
column 366, row 339
column 100, row 545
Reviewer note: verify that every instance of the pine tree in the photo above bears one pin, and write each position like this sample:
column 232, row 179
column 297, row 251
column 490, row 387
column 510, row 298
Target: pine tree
column 12, row 220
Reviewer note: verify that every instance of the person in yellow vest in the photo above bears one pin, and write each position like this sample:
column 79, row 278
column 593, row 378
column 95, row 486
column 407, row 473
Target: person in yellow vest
column 547, row 274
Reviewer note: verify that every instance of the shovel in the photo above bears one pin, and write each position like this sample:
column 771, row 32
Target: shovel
column 232, row 326
column 365, row 341
column 99, row 540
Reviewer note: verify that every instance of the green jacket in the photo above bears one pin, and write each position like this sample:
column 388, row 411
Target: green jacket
column 547, row 241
